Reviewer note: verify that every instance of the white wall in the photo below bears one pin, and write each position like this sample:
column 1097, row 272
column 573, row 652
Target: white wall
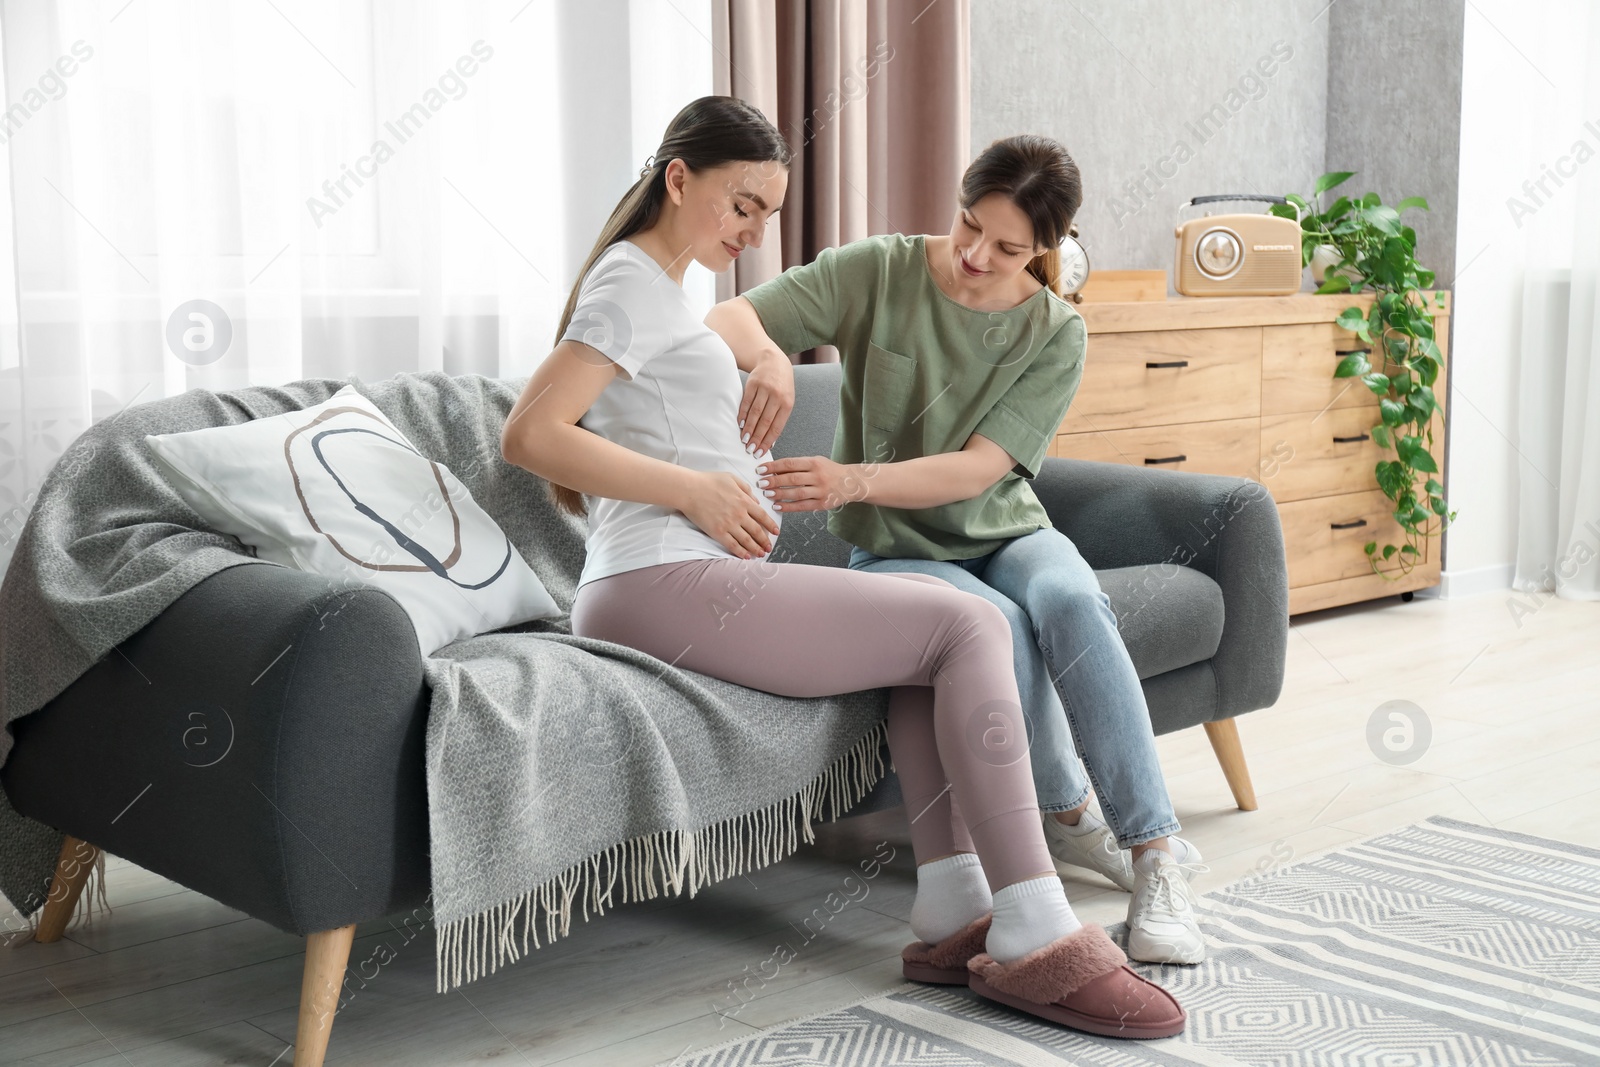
column 1519, row 81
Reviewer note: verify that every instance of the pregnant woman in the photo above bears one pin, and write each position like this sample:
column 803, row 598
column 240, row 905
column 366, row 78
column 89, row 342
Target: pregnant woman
column 959, row 361
column 634, row 414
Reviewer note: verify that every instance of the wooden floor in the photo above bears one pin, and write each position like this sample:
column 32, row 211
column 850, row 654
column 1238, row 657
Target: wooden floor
column 171, row 978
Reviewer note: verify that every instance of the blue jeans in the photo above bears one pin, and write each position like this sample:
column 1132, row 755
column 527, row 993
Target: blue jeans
column 1079, row 689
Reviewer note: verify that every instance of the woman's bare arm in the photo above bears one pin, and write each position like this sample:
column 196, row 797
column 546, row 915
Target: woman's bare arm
column 541, row 434
column 736, row 320
column 816, row 483
column 932, row 481
column 769, row 393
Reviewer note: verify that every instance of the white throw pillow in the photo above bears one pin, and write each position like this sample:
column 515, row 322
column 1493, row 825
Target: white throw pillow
column 338, row 490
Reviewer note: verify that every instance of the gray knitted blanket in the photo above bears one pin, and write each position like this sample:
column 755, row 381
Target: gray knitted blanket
column 649, row 779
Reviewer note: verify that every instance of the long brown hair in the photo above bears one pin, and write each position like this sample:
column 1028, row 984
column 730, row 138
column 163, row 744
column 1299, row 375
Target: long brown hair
column 709, row 132
column 1035, row 173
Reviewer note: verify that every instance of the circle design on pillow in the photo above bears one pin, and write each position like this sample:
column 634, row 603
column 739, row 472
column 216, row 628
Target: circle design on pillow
column 426, row 561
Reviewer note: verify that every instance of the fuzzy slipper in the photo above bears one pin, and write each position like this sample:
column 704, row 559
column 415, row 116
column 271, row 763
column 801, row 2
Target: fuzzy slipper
column 1083, row 981
column 946, row 962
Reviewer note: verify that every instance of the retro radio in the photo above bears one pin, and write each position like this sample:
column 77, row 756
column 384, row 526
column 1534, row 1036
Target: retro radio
column 1237, row 255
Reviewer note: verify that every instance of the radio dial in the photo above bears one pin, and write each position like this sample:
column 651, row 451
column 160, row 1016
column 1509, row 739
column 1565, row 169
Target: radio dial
column 1218, row 253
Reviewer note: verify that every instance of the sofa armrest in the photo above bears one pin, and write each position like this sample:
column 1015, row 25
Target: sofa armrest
column 260, row 741
column 1225, row 527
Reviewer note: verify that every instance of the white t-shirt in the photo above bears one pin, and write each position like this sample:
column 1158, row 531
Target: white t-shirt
column 676, row 400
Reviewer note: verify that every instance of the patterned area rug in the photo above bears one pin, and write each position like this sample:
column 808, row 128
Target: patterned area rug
column 1443, row 944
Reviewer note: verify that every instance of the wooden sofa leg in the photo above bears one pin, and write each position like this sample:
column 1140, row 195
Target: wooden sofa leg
column 1224, row 737
column 73, row 864
column 327, row 954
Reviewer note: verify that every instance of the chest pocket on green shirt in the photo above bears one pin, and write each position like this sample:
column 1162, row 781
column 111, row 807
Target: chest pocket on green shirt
column 886, row 387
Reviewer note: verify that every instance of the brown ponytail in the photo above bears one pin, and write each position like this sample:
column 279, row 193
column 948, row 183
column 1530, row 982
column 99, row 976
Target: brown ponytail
column 708, row 132
column 1035, row 173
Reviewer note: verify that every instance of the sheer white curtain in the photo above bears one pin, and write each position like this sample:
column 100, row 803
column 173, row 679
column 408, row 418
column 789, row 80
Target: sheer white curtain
column 332, row 188
column 1558, row 425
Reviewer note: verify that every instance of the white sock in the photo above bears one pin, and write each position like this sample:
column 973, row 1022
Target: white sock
column 951, row 893
column 1029, row 915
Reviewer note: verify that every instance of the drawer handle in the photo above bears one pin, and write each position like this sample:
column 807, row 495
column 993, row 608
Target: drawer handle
column 1347, row 440
column 1346, row 525
column 1342, row 352
column 1173, row 363
column 1167, row 459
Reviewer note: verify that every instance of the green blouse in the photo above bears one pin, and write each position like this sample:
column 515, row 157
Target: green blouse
column 921, row 374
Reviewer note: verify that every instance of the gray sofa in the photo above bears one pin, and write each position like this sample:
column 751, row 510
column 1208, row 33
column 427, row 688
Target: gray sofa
column 1208, row 638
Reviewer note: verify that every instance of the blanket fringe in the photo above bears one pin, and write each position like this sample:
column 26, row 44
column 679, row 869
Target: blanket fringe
column 469, row 947
column 91, row 899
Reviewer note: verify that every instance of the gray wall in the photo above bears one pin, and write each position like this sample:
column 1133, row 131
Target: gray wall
column 1394, row 111
column 1162, row 101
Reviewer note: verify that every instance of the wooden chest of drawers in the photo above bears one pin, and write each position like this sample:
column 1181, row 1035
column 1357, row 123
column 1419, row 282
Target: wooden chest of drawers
column 1245, row 386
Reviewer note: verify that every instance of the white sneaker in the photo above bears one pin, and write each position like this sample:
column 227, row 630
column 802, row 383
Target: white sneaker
column 1096, row 849
column 1187, row 855
column 1162, row 926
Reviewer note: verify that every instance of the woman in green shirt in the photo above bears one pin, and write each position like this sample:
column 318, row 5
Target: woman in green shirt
column 959, row 360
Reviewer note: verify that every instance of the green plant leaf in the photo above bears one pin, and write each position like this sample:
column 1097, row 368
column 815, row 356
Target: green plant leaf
column 1414, row 454
column 1335, row 283
column 1370, row 547
column 1380, row 434
column 1408, row 550
column 1283, row 211
column 1428, row 367
column 1388, row 551
column 1377, row 382
column 1352, row 319
column 1394, row 412
column 1298, row 201
column 1381, row 216
column 1433, row 487
column 1391, row 477
column 1331, row 179
column 1411, row 202
column 1352, row 365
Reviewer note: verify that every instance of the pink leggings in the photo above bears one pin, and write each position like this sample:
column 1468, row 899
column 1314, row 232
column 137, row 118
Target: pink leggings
column 956, row 730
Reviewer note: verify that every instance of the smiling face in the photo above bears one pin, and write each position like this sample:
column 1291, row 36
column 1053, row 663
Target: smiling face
column 991, row 243
column 724, row 210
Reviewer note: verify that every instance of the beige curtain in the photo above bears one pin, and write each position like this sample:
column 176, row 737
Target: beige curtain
column 873, row 96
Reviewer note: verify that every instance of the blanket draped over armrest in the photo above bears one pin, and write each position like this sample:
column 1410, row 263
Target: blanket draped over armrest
column 563, row 773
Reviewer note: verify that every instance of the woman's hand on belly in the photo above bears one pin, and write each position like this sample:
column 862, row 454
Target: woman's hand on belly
column 725, row 508
column 810, row 483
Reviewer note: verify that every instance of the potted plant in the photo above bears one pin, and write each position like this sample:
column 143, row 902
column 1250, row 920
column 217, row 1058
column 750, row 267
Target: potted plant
column 1363, row 245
